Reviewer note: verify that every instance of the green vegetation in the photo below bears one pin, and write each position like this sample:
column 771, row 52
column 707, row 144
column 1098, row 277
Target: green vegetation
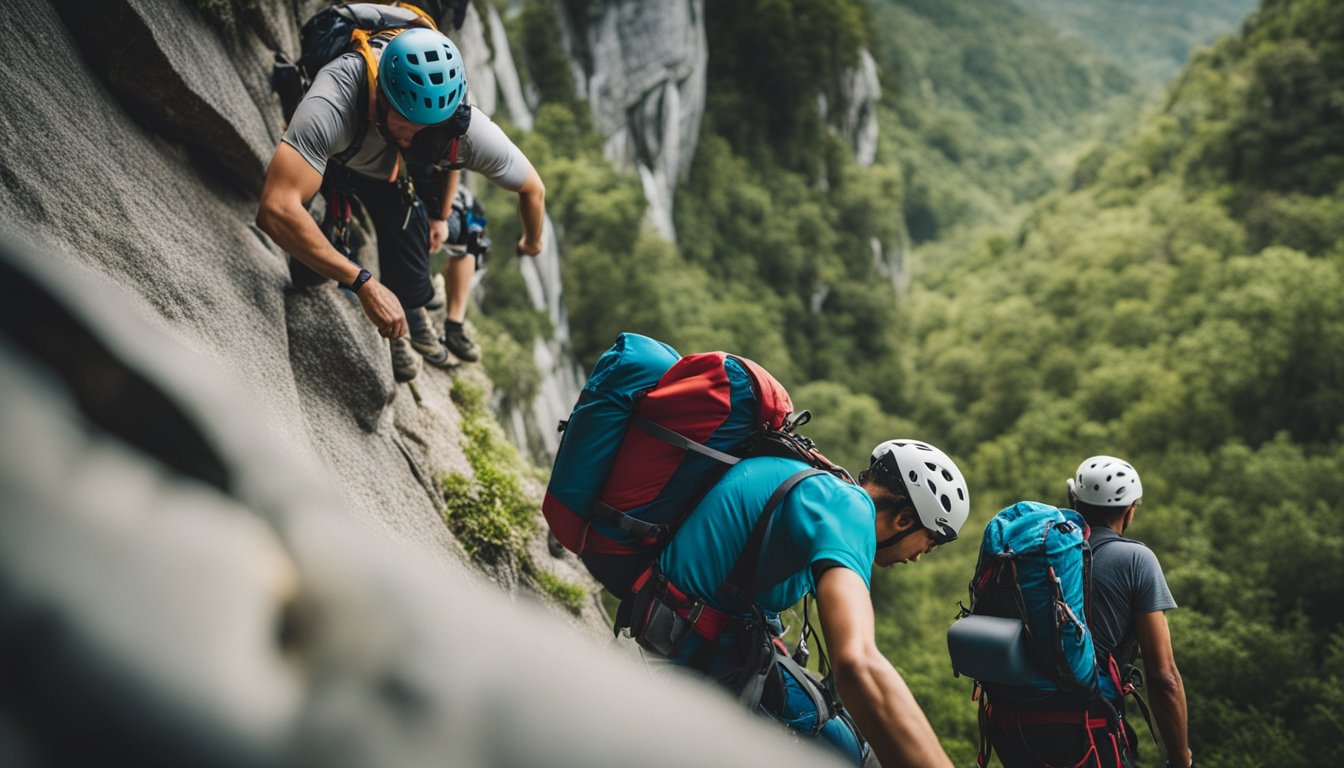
column 983, row 108
column 490, row 513
column 571, row 596
column 1152, row 39
column 770, row 61
column 1181, row 306
column 1176, row 301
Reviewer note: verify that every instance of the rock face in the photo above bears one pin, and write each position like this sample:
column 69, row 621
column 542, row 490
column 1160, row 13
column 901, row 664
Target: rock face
column 179, row 586
column 222, row 540
column 862, row 92
column 641, row 67
column 153, row 181
column 495, row 84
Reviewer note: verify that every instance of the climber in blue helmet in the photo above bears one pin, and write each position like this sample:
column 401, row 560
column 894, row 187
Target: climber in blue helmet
column 422, row 77
column 404, row 173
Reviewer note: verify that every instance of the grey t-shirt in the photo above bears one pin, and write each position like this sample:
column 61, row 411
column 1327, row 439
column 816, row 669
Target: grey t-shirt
column 1127, row 581
column 328, row 119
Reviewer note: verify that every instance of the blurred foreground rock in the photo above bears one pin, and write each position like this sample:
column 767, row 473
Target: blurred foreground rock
column 221, row 539
column 175, row 588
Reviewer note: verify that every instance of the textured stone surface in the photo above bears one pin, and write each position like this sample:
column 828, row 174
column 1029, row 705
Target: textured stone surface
column 862, row 92
column 178, row 587
column 222, row 542
column 153, row 57
column 645, row 83
column 116, row 194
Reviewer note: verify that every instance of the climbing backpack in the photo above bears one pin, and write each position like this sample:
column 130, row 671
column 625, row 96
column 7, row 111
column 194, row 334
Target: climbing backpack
column 334, row 30
column 1025, row 639
column 1034, row 569
column 649, row 435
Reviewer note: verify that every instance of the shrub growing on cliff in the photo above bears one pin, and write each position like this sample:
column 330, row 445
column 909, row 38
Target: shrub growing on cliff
column 489, row 513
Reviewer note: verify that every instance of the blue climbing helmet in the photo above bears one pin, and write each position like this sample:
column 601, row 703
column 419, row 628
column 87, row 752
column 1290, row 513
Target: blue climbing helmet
column 421, row 74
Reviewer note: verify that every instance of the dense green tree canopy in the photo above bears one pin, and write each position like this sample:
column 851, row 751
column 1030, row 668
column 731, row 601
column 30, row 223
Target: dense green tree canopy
column 1167, row 287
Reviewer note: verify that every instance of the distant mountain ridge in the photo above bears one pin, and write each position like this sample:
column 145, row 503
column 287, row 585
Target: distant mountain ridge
column 1171, row 29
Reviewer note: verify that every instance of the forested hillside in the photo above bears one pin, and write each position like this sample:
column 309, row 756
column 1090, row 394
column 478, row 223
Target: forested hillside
column 1152, row 39
column 1183, row 306
column 1173, row 297
column 984, row 108
column 777, row 223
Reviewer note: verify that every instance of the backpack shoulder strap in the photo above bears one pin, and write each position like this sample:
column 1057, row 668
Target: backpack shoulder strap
column 1109, row 539
column 740, row 586
column 359, row 43
column 424, row 20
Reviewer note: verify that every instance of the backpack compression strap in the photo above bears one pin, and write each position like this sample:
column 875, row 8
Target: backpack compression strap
column 673, row 437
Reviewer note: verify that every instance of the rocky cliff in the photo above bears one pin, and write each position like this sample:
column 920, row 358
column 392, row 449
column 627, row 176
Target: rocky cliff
column 223, row 539
column 641, row 67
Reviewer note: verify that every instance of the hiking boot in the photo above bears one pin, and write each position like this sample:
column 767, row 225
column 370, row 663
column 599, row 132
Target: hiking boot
column 432, row 349
column 404, row 365
column 455, row 337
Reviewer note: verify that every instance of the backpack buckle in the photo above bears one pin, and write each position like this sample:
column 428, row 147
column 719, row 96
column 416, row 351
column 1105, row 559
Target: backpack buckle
column 693, row 615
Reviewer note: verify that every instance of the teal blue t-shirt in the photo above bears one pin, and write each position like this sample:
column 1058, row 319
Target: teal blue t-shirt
column 822, row 518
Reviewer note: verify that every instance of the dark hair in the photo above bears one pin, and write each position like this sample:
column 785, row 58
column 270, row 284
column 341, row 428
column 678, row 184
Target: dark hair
column 885, row 477
column 891, row 484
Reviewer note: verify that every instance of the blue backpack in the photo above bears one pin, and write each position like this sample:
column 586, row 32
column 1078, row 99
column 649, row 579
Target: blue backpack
column 649, row 435
column 1029, row 608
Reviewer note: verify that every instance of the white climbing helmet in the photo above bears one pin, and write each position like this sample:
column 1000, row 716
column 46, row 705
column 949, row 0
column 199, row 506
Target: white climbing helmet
column 1106, row 481
column 931, row 481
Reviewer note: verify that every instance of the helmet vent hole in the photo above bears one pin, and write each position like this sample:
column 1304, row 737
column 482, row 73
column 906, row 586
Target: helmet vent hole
column 431, row 55
column 932, row 487
column 416, row 79
column 947, row 476
column 913, row 477
column 436, row 78
column 961, row 495
column 429, row 103
column 932, row 467
column 441, row 104
column 1096, row 486
column 415, row 60
column 946, row 502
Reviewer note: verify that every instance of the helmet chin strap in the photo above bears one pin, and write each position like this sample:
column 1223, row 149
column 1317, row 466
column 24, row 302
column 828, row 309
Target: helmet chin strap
column 887, row 542
column 897, row 537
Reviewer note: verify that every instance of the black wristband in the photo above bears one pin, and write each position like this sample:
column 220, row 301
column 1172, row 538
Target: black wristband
column 358, row 282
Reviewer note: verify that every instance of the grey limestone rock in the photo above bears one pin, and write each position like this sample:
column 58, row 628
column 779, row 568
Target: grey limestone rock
column 157, row 61
column 177, row 587
column 643, row 72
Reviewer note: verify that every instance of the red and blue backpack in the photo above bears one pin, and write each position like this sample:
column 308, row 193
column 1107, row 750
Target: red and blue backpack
column 650, row 434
